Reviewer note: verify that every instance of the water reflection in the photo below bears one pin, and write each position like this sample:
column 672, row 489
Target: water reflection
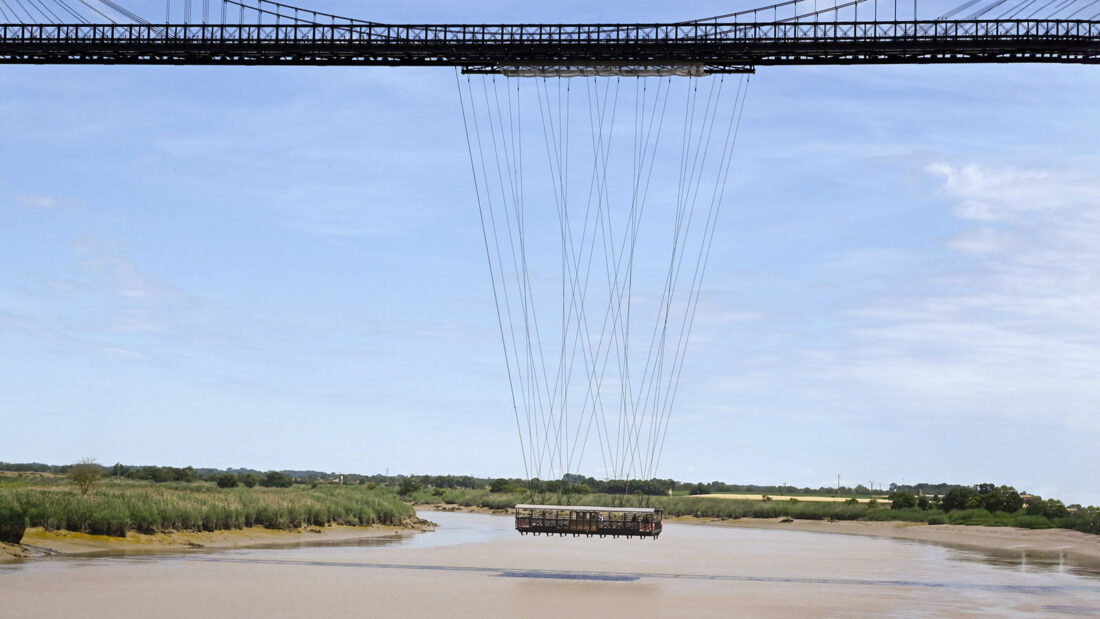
column 1027, row 561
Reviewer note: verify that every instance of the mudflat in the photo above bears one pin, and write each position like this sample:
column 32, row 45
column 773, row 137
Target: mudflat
column 1077, row 547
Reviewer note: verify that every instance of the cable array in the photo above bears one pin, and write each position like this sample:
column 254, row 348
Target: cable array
column 271, row 12
column 892, row 10
column 581, row 189
column 815, row 11
column 1025, row 9
column 63, row 12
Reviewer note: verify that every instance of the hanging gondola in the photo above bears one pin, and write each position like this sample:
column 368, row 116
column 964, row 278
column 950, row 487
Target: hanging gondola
column 589, row 521
column 597, row 229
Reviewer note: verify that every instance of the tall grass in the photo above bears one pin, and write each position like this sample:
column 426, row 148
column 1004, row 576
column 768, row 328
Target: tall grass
column 13, row 520
column 118, row 508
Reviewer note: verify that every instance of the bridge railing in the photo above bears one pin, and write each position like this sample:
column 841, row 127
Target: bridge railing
column 556, row 34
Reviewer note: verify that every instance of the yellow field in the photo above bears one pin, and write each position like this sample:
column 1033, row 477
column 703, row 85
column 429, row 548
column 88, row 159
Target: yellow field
column 756, row 497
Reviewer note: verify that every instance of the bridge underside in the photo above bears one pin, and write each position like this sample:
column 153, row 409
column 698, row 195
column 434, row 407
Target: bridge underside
column 531, row 62
column 559, row 49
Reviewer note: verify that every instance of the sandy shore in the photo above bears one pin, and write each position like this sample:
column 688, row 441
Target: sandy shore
column 1079, row 547
column 38, row 542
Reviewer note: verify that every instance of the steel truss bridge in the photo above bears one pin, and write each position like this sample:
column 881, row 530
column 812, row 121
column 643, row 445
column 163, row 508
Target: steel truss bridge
column 709, row 47
column 267, row 32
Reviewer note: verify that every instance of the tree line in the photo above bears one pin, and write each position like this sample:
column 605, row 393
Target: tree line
column 942, row 496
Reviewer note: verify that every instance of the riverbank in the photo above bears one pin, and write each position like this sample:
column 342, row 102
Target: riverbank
column 37, row 542
column 1081, row 548
column 1077, row 547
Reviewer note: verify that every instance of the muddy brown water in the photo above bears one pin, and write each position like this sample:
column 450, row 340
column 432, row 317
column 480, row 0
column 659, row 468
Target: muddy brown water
column 475, row 565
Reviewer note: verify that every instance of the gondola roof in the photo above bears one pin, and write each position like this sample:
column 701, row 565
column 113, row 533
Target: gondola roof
column 592, row 508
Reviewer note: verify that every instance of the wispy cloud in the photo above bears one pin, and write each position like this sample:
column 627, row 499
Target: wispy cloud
column 38, row 201
column 103, row 302
column 27, row 326
column 1011, row 329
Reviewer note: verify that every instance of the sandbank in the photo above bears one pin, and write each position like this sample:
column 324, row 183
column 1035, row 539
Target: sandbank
column 1078, row 547
column 39, row 542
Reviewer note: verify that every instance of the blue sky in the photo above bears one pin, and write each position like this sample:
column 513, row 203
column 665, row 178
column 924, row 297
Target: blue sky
column 282, row 268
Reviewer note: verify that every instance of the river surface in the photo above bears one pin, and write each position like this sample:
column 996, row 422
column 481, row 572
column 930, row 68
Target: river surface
column 475, row 565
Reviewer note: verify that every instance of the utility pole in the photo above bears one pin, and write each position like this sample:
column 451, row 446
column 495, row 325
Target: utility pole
column 838, row 485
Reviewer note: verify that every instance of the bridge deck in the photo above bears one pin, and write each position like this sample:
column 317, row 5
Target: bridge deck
column 715, row 46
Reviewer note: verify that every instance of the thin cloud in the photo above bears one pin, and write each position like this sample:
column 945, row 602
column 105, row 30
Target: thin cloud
column 1013, row 329
column 37, row 201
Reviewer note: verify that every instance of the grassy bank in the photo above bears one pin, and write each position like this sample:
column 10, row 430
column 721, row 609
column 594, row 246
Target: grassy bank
column 702, row 507
column 116, row 508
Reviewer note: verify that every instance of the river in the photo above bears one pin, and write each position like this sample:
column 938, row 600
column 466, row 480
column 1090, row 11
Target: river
column 475, row 565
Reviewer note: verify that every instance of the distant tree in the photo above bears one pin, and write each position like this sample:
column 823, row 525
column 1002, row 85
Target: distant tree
column 958, row 497
column 1087, row 519
column 902, row 499
column 851, row 501
column 923, row 502
column 275, row 479
column 500, row 485
column 1003, row 499
column 249, row 480
column 85, row 475
column 408, row 486
column 1034, row 506
column 227, row 480
column 1053, row 508
column 699, row 488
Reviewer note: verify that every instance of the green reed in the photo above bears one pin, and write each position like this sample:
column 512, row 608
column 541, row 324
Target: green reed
column 116, row 508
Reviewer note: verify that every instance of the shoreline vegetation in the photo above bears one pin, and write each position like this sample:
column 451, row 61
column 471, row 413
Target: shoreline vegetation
column 169, row 506
column 119, row 508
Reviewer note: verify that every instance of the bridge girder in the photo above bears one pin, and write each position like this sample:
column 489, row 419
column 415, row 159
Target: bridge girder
column 491, row 48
